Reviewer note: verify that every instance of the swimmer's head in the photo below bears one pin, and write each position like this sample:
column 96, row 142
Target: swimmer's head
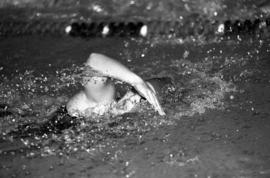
column 94, row 81
column 91, row 76
column 100, row 89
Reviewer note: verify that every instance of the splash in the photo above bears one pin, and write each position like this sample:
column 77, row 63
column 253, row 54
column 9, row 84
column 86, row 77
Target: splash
column 33, row 99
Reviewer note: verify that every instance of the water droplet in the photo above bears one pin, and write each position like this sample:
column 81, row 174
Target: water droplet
column 105, row 30
column 23, row 167
column 68, row 30
column 144, row 30
column 97, row 8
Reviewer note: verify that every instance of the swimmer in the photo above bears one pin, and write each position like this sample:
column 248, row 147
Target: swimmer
column 101, row 95
column 98, row 95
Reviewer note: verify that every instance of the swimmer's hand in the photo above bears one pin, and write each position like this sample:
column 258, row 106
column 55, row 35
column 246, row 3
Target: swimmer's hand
column 148, row 92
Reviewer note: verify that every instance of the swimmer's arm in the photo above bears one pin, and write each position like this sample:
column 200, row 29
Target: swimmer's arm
column 111, row 68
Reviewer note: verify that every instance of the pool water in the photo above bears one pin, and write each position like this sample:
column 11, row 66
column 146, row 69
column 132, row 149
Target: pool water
column 217, row 121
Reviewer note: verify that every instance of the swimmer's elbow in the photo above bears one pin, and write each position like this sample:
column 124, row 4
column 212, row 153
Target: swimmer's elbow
column 94, row 59
column 94, row 56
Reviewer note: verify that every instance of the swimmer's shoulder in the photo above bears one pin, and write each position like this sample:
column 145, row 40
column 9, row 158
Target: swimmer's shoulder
column 79, row 102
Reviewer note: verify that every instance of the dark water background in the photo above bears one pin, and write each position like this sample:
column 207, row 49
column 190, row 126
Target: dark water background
column 217, row 122
column 171, row 10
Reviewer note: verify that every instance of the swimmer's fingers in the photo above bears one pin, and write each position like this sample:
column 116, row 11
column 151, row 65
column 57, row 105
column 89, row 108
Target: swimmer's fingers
column 154, row 101
column 150, row 96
